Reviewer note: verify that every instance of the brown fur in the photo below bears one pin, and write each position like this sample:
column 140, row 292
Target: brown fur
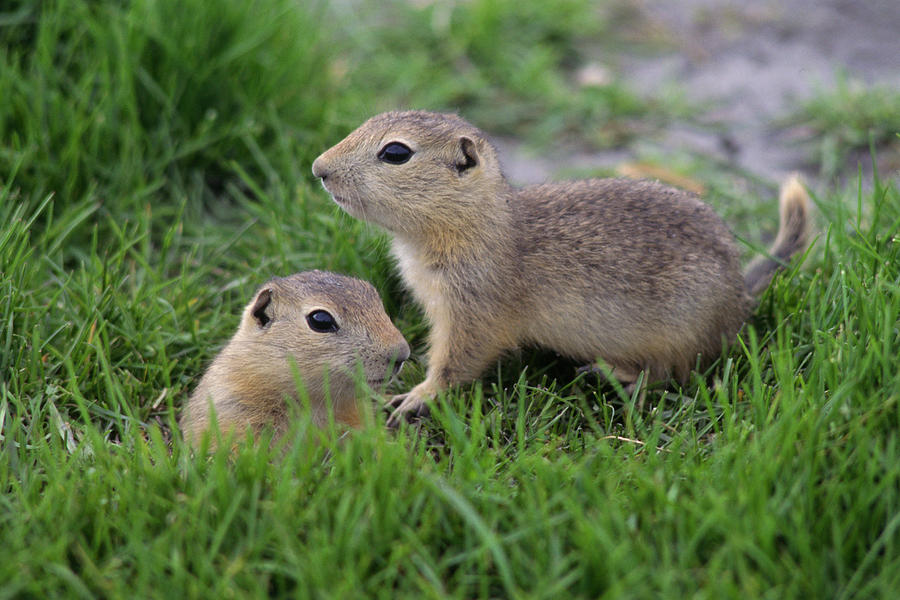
column 644, row 276
column 251, row 382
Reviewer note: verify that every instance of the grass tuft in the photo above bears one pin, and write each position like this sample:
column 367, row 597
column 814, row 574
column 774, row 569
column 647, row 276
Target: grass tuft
column 123, row 99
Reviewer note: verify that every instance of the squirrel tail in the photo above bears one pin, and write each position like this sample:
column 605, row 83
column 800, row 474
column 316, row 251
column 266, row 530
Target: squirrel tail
column 792, row 236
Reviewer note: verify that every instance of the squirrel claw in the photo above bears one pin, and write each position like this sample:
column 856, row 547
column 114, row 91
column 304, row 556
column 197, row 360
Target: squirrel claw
column 407, row 406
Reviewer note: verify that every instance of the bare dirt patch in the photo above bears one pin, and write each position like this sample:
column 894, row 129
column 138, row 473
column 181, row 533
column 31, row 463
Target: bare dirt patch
column 747, row 67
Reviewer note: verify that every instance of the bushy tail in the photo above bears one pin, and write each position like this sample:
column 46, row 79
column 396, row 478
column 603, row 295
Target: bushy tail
column 792, row 237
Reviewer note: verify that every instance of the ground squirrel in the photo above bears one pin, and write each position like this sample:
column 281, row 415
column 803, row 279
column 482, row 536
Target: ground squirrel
column 328, row 324
column 640, row 275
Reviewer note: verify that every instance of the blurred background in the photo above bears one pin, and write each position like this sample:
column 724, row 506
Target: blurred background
column 126, row 96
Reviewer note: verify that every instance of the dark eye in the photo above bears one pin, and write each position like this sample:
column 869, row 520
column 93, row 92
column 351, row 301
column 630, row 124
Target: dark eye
column 321, row 321
column 395, row 153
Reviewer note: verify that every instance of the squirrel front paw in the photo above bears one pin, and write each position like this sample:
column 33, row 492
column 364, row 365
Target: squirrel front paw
column 412, row 405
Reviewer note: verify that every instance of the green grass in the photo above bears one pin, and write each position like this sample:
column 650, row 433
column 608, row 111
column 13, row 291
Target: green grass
column 132, row 232
column 128, row 99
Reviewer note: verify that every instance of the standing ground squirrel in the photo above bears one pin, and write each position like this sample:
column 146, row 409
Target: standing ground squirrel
column 642, row 276
column 325, row 324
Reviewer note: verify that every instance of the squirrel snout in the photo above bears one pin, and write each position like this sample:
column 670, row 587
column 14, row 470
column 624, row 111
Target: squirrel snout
column 401, row 356
column 319, row 170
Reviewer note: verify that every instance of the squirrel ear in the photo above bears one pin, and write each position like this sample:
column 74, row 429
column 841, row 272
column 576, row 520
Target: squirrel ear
column 263, row 301
column 468, row 155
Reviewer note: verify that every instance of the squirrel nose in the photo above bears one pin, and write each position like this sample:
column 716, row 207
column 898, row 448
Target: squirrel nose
column 318, row 169
column 401, row 357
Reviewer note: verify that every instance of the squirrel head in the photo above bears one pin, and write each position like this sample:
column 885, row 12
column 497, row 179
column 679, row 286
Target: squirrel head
column 413, row 172
column 324, row 325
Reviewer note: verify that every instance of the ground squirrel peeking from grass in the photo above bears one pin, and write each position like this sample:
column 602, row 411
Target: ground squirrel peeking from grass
column 637, row 274
column 328, row 326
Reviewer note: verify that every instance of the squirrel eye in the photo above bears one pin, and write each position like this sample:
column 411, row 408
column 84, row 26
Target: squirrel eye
column 395, row 153
column 321, row 321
